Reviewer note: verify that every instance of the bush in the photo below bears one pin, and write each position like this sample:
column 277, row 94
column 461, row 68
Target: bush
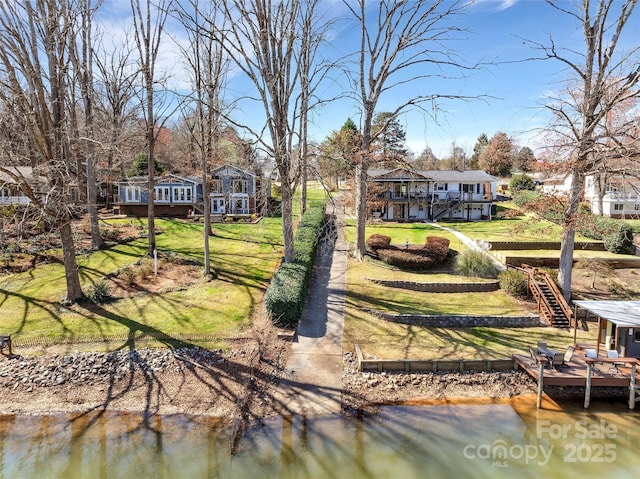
column 475, row 264
column 437, row 248
column 522, row 183
column 99, row 292
column 285, row 296
column 620, row 239
column 411, row 259
column 377, row 241
column 514, row 283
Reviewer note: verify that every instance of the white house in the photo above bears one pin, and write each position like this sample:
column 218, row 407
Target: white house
column 404, row 195
column 620, row 198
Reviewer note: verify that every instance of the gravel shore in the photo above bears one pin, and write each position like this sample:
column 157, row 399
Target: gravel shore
column 230, row 384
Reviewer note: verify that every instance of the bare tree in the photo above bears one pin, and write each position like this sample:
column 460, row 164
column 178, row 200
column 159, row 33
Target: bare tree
column 116, row 89
column 82, row 61
column 208, row 66
column 148, row 21
column 604, row 75
column 262, row 37
column 34, row 58
column 403, row 42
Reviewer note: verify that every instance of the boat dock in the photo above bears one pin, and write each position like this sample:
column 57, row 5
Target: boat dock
column 585, row 372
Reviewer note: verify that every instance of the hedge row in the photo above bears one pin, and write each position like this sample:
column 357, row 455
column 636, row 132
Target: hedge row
column 286, row 294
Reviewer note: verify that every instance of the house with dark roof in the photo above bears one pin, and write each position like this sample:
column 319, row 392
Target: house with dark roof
column 405, row 195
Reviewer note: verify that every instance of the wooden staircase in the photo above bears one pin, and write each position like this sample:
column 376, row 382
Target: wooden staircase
column 552, row 307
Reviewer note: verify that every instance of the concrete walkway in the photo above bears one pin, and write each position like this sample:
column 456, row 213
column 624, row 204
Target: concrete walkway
column 312, row 380
column 472, row 245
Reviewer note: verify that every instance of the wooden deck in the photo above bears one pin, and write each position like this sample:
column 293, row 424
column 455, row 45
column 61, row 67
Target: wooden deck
column 574, row 373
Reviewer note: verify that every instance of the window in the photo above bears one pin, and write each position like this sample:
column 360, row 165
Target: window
column 216, row 186
column 636, row 336
column 618, row 207
column 132, row 194
column 217, row 206
column 161, row 194
column 182, row 194
column 636, row 206
column 442, row 186
column 239, row 186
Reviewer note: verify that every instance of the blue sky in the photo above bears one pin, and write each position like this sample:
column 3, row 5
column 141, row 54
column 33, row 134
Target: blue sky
column 497, row 31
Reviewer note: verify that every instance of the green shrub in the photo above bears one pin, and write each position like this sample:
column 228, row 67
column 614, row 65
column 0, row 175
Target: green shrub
column 620, row 239
column 99, row 292
column 522, row 183
column 285, row 296
column 514, row 283
column 475, row 264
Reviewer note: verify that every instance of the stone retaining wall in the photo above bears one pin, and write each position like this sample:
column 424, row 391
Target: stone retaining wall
column 459, row 321
column 536, row 245
column 440, row 287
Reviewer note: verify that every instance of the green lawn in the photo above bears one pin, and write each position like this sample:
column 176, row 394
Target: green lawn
column 244, row 257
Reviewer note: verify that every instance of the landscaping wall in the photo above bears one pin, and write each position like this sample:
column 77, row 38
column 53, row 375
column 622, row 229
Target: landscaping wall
column 440, row 287
column 537, row 245
column 459, row 321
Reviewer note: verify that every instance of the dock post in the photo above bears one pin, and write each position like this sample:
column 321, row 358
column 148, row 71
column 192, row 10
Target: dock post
column 540, row 382
column 587, row 389
column 632, row 387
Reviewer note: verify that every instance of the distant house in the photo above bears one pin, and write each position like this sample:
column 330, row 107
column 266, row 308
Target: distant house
column 617, row 196
column 233, row 191
column 173, row 195
column 404, row 195
column 11, row 192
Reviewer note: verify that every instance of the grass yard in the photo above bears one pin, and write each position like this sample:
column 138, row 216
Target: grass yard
column 384, row 340
column 244, row 256
column 416, row 233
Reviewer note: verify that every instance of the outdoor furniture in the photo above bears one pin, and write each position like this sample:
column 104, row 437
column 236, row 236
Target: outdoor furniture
column 558, row 359
column 568, row 355
column 591, row 353
column 613, row 354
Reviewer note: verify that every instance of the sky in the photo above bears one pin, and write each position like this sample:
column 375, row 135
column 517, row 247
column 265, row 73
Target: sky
column 508, row 92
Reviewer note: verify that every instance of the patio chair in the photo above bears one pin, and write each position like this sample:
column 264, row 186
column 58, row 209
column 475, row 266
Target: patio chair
column 613, row 354
column 591, row 353
column 568, row 355
column 542, row 346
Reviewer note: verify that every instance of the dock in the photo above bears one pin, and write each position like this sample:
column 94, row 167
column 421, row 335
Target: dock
column 583, row 372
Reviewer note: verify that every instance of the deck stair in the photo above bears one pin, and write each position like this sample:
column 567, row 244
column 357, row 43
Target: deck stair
column 552, row 307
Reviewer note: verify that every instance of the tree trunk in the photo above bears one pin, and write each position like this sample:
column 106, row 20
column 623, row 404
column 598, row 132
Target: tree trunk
column 568, row 232
column 287, row 220
column 361, row 208
column 74, row 290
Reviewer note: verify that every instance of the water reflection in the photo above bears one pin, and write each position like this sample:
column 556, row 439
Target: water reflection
column 477, row 440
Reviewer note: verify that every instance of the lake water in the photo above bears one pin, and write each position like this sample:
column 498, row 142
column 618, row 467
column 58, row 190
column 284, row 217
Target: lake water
column 490, row 440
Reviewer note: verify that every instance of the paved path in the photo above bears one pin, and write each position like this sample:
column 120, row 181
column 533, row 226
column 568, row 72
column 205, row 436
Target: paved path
column 472, row 245
column 312, row 380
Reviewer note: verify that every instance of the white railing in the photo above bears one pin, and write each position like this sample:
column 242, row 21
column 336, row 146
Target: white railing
column 14, row 200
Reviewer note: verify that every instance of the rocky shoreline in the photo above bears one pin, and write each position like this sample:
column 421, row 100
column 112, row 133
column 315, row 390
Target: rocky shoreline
column 224, row 384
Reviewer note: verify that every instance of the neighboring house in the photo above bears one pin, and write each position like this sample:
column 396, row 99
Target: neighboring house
column 617, row 197
column 173, row 196
column 403, row 195
column 233, row 191
column 10, row 192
